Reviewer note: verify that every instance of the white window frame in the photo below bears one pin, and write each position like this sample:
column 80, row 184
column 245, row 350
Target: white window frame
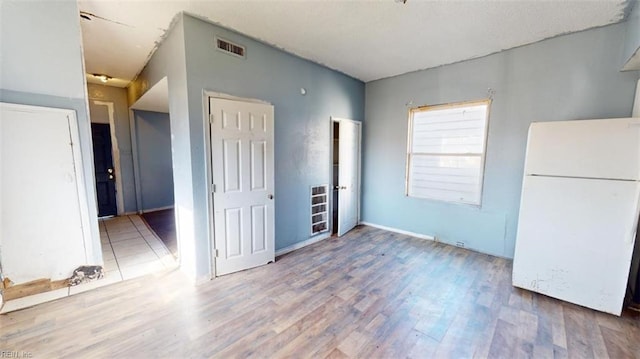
column 482, row 155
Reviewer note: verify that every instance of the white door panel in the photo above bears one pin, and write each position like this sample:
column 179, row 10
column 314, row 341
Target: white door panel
column 43, row 230
column 589, row 148
column 242, row 173
column 348, row 176
column 575, row 239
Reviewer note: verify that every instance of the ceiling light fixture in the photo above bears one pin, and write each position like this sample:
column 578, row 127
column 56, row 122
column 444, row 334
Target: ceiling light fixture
column 103, row 78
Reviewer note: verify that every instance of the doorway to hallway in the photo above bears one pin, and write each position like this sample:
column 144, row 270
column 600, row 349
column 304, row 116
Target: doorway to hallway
column 104, row 170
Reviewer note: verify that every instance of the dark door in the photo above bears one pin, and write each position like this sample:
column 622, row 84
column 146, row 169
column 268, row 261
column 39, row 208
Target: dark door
column 105, row 175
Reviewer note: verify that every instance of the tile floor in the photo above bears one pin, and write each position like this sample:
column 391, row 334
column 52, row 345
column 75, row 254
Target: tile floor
column 129, row 250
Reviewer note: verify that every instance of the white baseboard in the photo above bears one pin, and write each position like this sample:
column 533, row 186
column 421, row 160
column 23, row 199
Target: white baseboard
column 302, row 244
column 401, row 231
column 156, row 209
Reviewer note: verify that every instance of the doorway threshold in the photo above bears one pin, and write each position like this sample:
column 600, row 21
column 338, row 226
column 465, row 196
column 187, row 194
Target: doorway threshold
column 129, row 250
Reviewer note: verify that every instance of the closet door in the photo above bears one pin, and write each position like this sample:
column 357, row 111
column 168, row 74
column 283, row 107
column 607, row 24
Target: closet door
column 348, row 176
column 41, row 222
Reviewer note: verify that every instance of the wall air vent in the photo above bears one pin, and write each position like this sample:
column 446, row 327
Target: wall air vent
column 230, row 48
column 319, row 209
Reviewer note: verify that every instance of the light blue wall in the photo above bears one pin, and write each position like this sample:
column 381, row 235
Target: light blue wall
column 302, row 123
column 632, row 35
column 41, row 48
column 302, row 137
column 169, row 61
column 569, row 77
column 153, row 135
column 41, row 65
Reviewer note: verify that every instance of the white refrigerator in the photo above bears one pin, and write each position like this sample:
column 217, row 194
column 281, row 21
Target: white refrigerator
column 579, row 211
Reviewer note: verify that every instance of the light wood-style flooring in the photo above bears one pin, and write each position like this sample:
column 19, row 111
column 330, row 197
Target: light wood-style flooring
column 368, row 294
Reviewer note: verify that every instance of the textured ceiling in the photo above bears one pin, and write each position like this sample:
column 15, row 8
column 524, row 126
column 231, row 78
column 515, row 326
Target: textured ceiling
column 368, row 40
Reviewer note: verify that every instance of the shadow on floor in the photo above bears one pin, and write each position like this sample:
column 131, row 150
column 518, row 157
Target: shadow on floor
column 164, row 225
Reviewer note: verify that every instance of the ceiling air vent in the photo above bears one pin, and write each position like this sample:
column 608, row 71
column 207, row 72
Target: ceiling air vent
column 230, row 48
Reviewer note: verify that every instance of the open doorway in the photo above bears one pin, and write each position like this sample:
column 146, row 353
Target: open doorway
column 104, row 171
column 335, row 175
column 106, row 156
column 345, row 165
column 151, row 135
column 129, row 247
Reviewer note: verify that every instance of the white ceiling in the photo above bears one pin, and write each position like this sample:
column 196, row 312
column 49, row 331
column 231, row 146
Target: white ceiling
column 368, row 40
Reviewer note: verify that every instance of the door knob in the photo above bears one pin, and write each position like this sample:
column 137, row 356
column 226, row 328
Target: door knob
column 110, row 170
column 110, row 176
column 270, row 196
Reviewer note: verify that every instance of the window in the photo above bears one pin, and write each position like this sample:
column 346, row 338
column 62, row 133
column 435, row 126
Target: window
column 445, row 153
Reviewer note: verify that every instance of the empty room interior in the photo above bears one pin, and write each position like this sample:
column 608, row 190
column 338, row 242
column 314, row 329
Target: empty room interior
column 320, row 179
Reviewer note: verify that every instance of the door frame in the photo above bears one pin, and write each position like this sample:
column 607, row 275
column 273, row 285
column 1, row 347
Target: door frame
column 115, row 153
column 209, row 168
column 78, row 160
column 94, row 127
column 333, row 120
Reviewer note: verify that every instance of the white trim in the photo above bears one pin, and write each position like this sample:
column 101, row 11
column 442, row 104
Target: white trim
column 333, row 120
column 115, row 154
column 332, row 185
column 636, row 103
column 206, row 95
column 401, row 231
column 411, row 154
column 302, row 244
column 206, row 115
column 136, row 161
column 428, row 237
column 83, row 198
column 82, row 191
column 157, row 209
column 224, row 96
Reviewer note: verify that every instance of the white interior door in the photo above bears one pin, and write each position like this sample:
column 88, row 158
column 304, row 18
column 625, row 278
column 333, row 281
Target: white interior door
column 348, row 176
column 243, row 181
column 42, row 227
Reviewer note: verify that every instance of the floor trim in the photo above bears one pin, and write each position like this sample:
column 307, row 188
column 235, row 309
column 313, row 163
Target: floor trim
column 401, row 231
column 155, row 209
column 302, row 244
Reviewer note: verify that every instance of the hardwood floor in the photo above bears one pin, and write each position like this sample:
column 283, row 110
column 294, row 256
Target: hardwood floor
column 369, row 294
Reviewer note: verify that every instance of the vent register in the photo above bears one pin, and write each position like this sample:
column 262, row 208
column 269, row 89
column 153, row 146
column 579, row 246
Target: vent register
column 319, row 209
column 230, row 48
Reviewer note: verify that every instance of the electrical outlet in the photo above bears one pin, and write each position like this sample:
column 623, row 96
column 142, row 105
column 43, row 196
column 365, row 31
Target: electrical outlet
column 460, row 244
